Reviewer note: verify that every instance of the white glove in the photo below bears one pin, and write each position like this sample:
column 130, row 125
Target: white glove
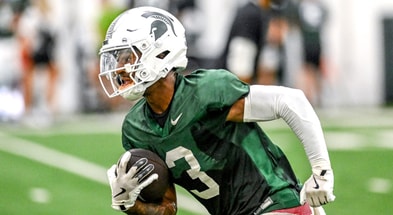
column 318, row 189
column 126, row 186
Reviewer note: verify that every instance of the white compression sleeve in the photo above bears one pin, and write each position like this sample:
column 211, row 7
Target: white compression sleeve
column 265, row 103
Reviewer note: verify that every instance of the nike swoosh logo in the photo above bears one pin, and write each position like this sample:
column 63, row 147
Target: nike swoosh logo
column 316, row 183
column 121, row 192
column 174, row 122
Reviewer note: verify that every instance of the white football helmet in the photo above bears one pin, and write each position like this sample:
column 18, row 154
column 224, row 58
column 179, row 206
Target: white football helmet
column 141, row 46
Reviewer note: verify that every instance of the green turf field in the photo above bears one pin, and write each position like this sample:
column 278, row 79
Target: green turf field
column 61, row 170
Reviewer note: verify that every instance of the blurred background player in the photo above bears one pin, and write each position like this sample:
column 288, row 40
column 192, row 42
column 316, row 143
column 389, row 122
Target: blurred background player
column 37, row 38
column 312, row 16
column 245, row 40
column 247, row 37
column 272, row 60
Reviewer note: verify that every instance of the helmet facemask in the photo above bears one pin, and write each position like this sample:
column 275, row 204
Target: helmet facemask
column 122, row 73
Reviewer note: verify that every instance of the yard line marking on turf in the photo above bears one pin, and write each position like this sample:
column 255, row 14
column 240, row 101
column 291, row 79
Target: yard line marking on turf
column 344, row 141
column 379, row 185
column 69, row 163
column 53, row 158
column 40, row 195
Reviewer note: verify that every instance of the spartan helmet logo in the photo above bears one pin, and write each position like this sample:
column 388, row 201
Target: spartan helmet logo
column 160, row 25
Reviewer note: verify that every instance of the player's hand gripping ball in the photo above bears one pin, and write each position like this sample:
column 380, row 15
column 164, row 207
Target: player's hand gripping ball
column 156, row 190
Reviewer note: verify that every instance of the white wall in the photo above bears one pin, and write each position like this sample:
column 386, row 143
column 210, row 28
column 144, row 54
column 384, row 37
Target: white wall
column 354, row 46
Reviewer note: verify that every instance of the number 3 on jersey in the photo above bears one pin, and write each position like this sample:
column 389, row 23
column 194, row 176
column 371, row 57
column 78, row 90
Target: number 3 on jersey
column 195, row 171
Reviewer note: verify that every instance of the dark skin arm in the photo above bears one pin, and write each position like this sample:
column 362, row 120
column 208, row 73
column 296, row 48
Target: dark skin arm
column 237, row 111
column 166, row 207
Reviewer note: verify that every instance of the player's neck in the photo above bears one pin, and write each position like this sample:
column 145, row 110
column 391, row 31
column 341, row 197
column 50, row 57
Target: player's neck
column 159, row 95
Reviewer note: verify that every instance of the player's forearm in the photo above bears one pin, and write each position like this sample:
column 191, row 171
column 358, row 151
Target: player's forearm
column 272, row 102
column 301, row 117
column 141, row 208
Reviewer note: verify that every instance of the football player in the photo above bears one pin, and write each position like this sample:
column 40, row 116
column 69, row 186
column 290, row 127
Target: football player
column 204, row 126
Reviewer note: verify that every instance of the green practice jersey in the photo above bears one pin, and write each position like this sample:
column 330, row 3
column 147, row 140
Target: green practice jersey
column 231, row 168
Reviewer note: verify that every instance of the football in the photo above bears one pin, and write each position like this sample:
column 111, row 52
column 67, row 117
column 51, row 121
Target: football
column 155, row 191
